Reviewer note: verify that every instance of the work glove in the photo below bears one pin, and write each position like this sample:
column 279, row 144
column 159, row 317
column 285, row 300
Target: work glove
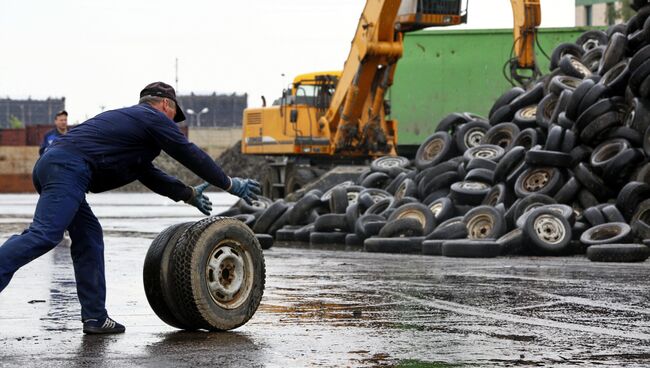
column 246, row 189
column 199, row 200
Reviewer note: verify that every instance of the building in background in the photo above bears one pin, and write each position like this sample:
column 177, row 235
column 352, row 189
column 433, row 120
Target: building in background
column 22, row 113
column 218, row 111
column 602, row 12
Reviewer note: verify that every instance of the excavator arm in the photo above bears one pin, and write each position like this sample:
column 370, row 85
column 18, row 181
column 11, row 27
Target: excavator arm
column 527, row 16
column 355, row 120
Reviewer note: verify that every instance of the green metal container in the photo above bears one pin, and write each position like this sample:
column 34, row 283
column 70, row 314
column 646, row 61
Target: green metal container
column 456, row 71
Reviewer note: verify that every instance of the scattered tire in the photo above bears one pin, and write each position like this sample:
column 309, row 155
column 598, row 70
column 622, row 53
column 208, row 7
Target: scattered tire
column 471, row 248
column 484, row 222
column 391, row 245
column 618, row 253
column 608, row 233
column 548, row 231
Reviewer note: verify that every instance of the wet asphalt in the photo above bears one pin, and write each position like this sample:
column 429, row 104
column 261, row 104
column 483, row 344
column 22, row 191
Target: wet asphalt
column 331, row 307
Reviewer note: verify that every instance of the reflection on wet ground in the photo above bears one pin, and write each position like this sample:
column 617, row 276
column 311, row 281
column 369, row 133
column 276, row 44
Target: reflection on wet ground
column 340, row 308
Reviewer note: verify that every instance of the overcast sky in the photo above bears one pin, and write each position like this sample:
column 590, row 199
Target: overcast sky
column 99, row 54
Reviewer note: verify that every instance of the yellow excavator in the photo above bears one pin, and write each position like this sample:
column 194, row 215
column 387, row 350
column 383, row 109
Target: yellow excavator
column 333, row 118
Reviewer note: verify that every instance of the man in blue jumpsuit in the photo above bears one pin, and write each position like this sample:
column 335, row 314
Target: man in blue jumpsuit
column 60, row 128
column 106, row 152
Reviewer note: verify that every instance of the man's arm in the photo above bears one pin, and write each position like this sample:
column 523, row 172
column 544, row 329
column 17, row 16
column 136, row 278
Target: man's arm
column 159, row 182
column 170, row 138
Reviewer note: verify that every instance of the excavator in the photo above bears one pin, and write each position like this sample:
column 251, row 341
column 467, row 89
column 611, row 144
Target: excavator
column 339, row 117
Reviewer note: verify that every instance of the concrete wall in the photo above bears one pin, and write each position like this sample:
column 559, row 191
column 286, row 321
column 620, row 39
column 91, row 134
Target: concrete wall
column 16, row 164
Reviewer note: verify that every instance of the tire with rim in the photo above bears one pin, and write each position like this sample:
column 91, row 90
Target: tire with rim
column 548, row 231
column 542, row 180
column 435, row 149
column 389, row 164
column 469, row 192
column 219, row 273
column 470, row 135
column 418, row 212
column 484, row 222
column 403, row 227
column 453, row 228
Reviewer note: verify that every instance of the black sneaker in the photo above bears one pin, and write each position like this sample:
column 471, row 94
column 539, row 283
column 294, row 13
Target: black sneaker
column 107, row 326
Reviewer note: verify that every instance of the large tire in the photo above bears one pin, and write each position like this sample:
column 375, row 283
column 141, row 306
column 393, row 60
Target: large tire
column 548, row 231
column 391, row 165
column 264, row 222
column 156, row 276
column 219, row 274
column 392, row 245
column 618, row 253
column 435, row 149
column 298, row 178
column 417, row 211
column 466, row 248
column 271, row 177
column 402, row 227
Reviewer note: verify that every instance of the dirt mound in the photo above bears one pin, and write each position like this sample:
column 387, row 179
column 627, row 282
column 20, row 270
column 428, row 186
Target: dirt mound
column 235, row 163
column 232, row 161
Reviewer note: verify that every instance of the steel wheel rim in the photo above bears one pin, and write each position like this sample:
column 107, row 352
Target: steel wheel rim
column 389, row 162
column 413, row 214
column 433, row 148
column 436, row 208
column 529, row 112
column 473, row 185
column 549, row 229
column 229, row 274
column 487, row 153
column 474, row 137
column 480, row 226
column 537, row 180
column 353, row 197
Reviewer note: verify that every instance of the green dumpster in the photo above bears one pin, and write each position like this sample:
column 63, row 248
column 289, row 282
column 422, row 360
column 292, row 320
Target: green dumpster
column 456, row 71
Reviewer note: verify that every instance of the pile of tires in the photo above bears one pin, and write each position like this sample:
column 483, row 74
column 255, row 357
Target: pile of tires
column 206, row 275
column 561, row 167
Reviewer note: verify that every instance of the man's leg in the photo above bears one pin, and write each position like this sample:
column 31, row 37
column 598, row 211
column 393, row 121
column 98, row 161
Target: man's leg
column 87, row 251
column 54, row 211
column 62, row 181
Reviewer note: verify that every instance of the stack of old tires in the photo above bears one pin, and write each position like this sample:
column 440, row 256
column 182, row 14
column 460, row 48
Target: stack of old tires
column 559, row 168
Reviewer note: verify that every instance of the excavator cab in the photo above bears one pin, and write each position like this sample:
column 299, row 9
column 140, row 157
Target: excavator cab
column 418, row 14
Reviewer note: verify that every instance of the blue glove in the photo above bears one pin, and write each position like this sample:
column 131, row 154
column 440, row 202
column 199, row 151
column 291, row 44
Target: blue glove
column 246, row 189
column 199, row 200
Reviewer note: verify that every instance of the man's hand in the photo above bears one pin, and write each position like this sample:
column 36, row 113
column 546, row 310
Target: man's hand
column 246, row 189
column 199, row 200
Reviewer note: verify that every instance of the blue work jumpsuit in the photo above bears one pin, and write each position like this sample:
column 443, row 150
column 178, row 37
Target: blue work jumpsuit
column 108, row 151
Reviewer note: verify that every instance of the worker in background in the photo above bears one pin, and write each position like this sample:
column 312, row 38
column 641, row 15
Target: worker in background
column 60, row 128
column 106, row 152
